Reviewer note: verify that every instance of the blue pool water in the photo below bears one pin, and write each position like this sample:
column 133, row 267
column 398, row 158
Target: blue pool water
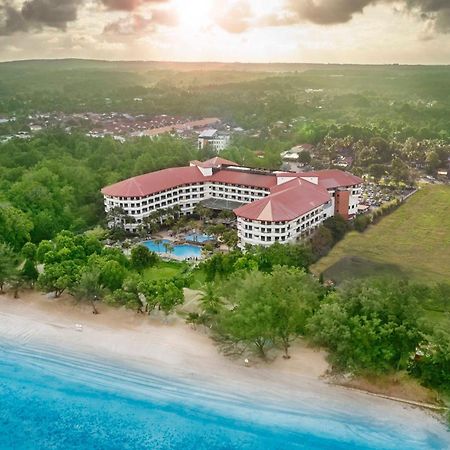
column 183, row 251
column 50, row 399
column 198, row 237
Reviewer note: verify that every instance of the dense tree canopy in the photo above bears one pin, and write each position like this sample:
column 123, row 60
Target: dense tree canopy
column 369, row 325
column 52, row 183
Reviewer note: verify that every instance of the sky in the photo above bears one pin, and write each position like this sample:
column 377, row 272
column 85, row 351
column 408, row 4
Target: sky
column 316, row 31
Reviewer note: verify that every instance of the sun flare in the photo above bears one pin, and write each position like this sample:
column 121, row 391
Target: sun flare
column 193, row 14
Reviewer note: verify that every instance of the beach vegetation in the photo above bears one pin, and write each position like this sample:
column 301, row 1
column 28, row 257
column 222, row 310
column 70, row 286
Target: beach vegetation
column 29, row 251
column 8, row 265
column 15, row 226
column 370, row 325
column 142, row 258
column 112, row 273
column 29, row 272
column 432, row 362
column 88, row 287
column 223, row 265
column 263, row 310
column 58, row 277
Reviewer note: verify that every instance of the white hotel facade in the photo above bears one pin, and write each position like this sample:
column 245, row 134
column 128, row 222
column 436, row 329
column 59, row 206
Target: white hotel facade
column 269, row 206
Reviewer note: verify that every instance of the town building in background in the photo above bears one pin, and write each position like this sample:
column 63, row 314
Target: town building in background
column 214, row 139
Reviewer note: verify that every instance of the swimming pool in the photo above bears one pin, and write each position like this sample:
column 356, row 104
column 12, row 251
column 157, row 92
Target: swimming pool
column 199, row 237
column 183, row 251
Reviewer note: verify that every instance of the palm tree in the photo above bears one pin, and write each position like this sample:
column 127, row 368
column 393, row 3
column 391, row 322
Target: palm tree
column 209, row 299
column 117, row 216
column 168, row 247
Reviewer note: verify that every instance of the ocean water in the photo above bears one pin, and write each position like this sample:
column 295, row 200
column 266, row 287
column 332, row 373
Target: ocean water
column 50, row 399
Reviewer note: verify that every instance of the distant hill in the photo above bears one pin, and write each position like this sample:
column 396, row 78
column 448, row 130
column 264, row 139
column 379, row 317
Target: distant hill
column 140, row 66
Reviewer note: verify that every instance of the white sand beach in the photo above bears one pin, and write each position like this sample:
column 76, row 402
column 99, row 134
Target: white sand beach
column 180, row 351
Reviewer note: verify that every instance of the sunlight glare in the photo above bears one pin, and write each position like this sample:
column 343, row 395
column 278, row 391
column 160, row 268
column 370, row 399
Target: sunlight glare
column 193, row 14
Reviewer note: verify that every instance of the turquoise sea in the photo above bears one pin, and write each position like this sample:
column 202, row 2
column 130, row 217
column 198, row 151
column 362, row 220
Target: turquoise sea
column 51, row 399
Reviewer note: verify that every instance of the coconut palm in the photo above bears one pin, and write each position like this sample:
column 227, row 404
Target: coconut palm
column 168, row 247
column 209, row 300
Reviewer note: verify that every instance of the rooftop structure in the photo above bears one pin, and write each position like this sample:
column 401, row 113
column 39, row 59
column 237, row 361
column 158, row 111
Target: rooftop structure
column 293, row 154
column 269, row 206
column 215, row 139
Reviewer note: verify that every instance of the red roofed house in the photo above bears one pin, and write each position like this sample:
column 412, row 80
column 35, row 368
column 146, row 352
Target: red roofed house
column 269, row 206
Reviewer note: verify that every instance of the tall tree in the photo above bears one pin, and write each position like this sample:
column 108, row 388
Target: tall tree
column 142, row 257
column 8, row 265
column 89, row 288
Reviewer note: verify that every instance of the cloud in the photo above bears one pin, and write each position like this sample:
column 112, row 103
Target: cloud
column 235, row 17
column 128, row 5
column 436, row 13
column 239, row 17
column 136, row 24
column 53, row 13
column 34, row 14
column 12, row 20
column 320, row 12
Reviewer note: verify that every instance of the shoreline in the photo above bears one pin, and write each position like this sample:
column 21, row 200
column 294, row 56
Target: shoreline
column 177, row 351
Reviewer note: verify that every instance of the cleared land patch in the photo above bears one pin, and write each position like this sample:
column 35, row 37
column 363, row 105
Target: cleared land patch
column 412, row 242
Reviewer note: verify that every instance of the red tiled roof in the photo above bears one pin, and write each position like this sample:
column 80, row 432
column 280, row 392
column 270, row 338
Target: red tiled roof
column 215, row 162
column 287, row 202
column 153, row 182
column 244, row 178
column 329, row 179
column 333, row 178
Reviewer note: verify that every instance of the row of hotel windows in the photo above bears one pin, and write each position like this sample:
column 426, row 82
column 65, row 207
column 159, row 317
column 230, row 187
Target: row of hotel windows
column 308, row 216
column 175, row 200
column 247, row 192
column 214, row 186
column 185, row 207
column 308, row 228
column 176, row 193
column 303, row 227
column 265, row 230
column 163, row 205
column 264, row 238
column 227, row 187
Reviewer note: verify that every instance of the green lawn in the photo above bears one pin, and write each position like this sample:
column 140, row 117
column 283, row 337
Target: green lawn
column 163, row 270
column 412, row 242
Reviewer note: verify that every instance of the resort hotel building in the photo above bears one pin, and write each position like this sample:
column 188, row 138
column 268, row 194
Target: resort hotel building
column 269, row 206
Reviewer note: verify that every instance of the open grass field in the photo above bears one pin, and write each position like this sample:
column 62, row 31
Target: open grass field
column 413, row 242
column 164, row 270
